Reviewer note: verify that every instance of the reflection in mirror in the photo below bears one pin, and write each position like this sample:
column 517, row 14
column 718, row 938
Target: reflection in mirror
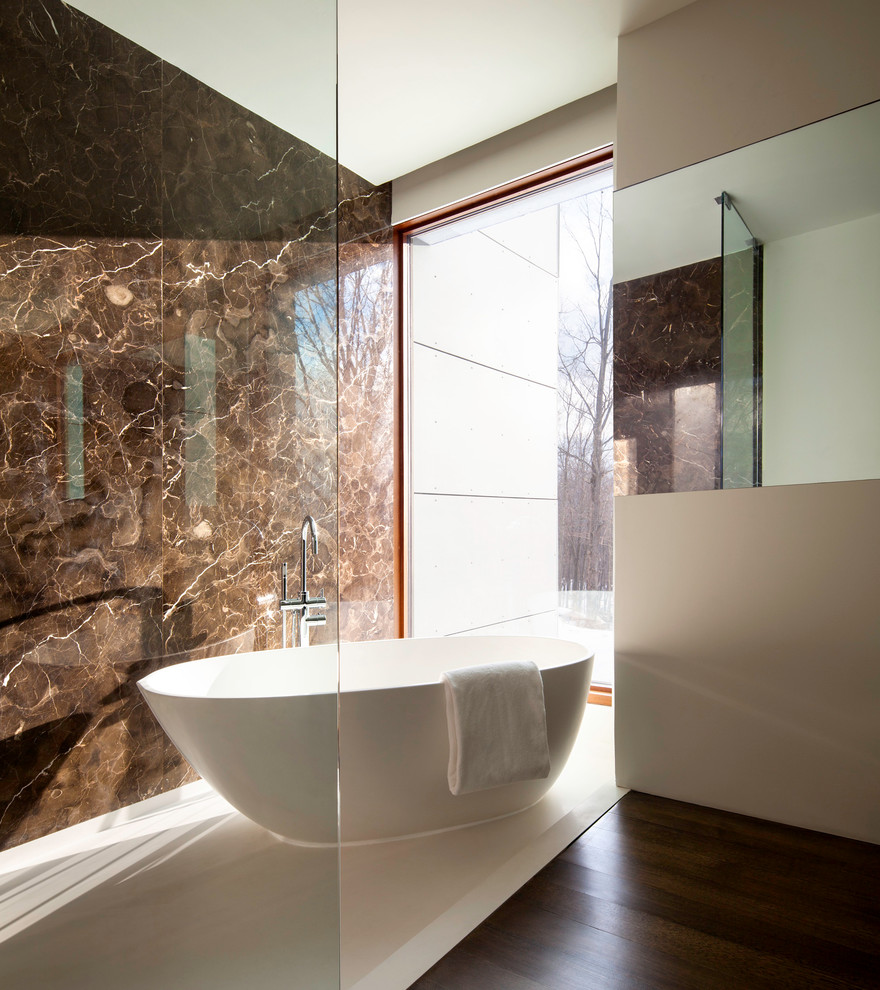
column 812, row 201
column 741, row 332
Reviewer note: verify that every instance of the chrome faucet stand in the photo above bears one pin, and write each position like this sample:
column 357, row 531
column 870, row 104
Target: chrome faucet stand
column 302, row 604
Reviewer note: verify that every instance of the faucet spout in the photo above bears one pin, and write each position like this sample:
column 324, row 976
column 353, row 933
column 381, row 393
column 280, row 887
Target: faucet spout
column 308, row 526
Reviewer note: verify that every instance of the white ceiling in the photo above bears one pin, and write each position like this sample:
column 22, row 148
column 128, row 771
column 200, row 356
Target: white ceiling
column 417, row 80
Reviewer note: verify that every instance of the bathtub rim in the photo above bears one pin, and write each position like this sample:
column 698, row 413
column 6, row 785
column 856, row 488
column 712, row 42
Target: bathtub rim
column 147, row 683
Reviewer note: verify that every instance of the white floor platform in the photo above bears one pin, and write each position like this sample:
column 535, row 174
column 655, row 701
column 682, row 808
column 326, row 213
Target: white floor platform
column 183, row 892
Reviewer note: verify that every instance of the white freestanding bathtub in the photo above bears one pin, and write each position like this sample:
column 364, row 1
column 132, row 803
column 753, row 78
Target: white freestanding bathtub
column 261, row 728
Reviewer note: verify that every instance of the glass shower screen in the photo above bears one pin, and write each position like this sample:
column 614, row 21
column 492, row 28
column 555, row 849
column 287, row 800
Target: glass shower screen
column 741, row 335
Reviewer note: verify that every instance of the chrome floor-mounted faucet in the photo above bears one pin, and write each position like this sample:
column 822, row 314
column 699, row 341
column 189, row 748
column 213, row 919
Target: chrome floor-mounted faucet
column 302, row 604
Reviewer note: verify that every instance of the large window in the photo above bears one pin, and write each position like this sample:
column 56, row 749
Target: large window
column 508, row 432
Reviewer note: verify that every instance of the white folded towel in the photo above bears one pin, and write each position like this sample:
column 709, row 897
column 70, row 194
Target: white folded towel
column 497, row 725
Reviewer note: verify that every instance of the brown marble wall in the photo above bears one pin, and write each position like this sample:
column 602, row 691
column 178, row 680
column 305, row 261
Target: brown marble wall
column 177, row 256
column 667, row 381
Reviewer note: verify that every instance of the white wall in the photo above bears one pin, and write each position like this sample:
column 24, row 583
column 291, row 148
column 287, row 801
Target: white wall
column 483, row 430
column 747, row 673
column 720, row 74
column 748, row 652
column 572, row 130
column 821, row 355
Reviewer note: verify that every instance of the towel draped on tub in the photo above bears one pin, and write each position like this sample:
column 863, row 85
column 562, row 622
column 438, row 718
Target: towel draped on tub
column 497, row 725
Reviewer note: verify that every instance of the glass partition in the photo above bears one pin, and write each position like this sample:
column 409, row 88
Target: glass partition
column 168, row 398
column 740, row 351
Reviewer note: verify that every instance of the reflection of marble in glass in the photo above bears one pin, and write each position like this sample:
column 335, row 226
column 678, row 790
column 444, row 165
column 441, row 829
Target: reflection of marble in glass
column 73, row 409
column 200, row 443
column 625, row 471
column 694, row 437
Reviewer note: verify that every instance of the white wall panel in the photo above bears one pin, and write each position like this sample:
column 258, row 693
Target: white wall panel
column 477, row 561
column 533, row 236
column 477, row 299
column 747, row 645
column 821, row 403
column 479, row 431
column 794, row 61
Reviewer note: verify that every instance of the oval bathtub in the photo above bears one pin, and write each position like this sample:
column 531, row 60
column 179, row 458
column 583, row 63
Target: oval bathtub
column 261, row 728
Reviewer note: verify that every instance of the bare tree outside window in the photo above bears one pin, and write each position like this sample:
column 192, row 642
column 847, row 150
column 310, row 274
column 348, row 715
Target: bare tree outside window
column 585, row 462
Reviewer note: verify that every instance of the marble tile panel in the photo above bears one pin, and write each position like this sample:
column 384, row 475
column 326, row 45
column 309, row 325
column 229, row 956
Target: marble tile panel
column 80, row 608
column 80, row 126
column 667, row 344
column 229, row 174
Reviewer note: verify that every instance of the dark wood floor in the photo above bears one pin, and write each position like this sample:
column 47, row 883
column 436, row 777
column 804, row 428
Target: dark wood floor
column 663, row 894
